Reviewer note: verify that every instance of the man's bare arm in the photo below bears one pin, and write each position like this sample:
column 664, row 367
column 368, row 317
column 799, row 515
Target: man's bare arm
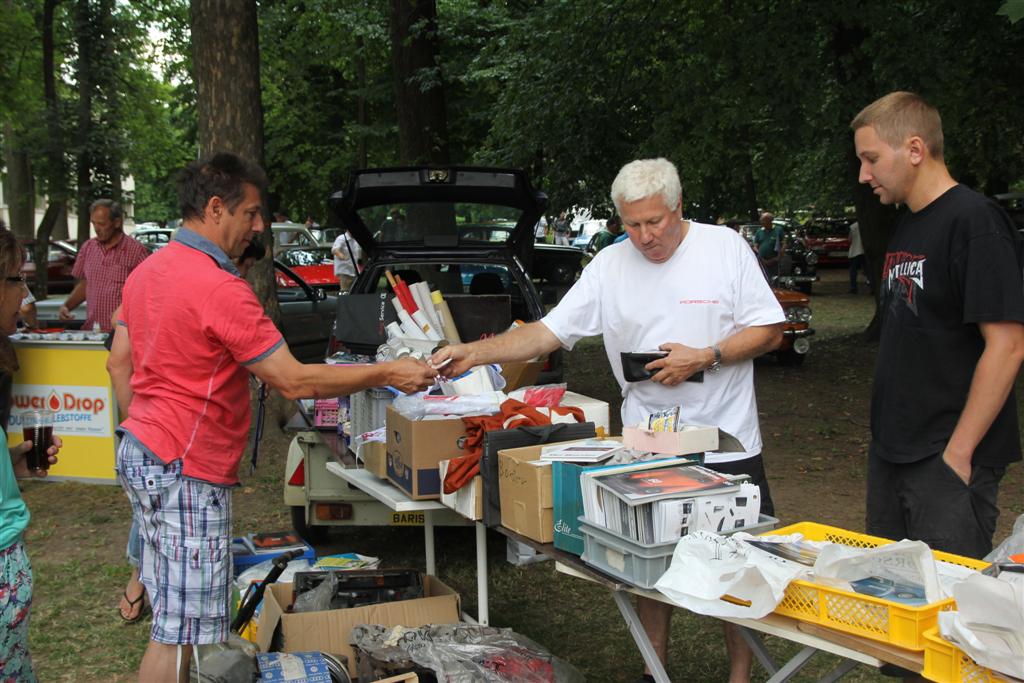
column 683, row 361
column 298, row 380
column 993, row 378
column 74, row 299
column 119, row 365
column 522, row 343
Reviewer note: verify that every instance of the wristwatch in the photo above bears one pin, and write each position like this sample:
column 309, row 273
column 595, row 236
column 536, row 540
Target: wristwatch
column 716, row 364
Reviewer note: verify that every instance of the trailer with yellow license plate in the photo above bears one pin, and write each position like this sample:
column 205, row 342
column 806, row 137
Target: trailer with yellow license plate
column 320, row 500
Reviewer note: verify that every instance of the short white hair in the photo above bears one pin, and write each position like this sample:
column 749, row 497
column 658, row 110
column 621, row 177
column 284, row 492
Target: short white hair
column 645, row 178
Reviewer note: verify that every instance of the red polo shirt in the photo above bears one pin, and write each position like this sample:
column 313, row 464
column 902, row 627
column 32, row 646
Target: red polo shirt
column 105, row 272
column 193, row 328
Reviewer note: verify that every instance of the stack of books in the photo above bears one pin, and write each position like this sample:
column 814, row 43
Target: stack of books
column 660, row 501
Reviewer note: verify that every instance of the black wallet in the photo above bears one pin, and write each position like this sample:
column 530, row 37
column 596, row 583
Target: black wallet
column 633, row 363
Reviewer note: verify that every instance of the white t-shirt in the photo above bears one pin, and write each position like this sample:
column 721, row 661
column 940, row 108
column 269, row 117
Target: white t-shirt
column 711, row 288
column 541, row 229
column 856, row 246
column 345, row 266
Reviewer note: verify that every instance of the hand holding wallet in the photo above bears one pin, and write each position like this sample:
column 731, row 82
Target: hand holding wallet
column 633, row 363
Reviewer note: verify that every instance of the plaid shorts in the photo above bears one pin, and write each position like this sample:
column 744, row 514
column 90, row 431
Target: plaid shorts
column 185, row 527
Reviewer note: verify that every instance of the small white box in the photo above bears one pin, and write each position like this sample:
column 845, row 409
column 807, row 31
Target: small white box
column 594, row 410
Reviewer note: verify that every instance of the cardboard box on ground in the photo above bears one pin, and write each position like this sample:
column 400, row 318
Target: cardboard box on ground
column 329, row 631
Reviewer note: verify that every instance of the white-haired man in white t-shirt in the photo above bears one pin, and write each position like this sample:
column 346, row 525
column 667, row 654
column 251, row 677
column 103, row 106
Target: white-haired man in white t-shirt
column 691, row 289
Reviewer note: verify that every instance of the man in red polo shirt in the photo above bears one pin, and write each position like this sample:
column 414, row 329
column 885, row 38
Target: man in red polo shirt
column 195, row 331
column 102, row 266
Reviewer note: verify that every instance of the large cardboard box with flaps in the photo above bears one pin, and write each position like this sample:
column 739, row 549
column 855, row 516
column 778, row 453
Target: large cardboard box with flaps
column 414, row 449
column 524, row 483
column 329, row 631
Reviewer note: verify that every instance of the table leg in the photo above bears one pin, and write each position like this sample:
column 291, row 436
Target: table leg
column 482, row 596
column 428, row 541
column 756, row 644
column 845, row 667
column 793, row 665
column 640, row 636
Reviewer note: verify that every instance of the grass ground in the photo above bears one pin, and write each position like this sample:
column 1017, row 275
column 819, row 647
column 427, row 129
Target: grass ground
column 815, row 428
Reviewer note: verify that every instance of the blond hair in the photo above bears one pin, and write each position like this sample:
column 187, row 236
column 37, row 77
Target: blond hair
column 645, row 178
column 901, row 115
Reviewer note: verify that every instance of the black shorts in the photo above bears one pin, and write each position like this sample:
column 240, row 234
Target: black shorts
column 927, row 501
column 755, row 468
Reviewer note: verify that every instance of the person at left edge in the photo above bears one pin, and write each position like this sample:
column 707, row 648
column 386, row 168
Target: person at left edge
column 195, row 331
column 102, row 266
column 15, row 570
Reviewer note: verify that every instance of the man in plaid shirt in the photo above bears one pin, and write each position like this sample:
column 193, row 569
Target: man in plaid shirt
column 102, row 266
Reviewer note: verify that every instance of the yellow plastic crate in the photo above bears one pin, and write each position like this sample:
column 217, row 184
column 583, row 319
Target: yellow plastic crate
column 944, row 662
column 862, row 615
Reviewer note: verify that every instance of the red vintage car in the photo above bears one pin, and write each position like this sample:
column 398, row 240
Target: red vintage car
column 60, row 261
column 315, row 266
column 797, row 331
column 829, row 238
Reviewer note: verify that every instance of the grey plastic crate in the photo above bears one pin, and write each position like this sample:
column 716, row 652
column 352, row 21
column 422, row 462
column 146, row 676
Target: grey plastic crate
column 368, row 409
column 638, row 563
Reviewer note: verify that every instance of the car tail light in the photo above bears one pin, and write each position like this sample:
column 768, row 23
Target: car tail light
column 547, row 365
column 298, row 477
column 333, row 511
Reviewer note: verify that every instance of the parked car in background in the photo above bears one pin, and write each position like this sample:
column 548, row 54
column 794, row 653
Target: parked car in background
column 60, row 262
column 797, row 330
column 315, row 266
column 325, row 236
column 438, row 225
column 292, row 236
column 829, row 238
column 586, row 232
column 798, row 266
column 153, row 238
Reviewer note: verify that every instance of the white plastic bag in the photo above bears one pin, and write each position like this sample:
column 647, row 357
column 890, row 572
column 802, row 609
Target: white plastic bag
column 707, row 567
column 989, row 626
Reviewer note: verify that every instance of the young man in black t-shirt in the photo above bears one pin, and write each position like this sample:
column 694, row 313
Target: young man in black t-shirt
column 943, row 413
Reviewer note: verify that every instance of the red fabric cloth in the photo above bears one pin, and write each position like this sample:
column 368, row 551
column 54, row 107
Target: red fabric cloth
column 513, row 414
column 105, row 272
column 193, row 328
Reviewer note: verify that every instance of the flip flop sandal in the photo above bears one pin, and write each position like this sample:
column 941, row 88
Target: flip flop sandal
column 143, row 611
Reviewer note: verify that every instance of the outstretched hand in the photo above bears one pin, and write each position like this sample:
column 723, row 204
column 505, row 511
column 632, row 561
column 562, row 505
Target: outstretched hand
column 409, row 375
column 21, row 465
column 680, row 363
column 452, row 360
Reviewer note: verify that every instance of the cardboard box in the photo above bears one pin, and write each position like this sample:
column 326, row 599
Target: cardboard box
column 521, row 373
column 414, row 449
column 594, row 410
column 329, row 631
column 692, row 439
column 374, row 455
column 467, row 501
column 524, row 488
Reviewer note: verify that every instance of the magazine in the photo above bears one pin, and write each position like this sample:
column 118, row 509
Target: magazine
column 674, row 481
column 887, row 589
column 590, row 451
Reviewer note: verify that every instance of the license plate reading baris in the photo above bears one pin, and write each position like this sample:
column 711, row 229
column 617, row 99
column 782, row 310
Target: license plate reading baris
column 407, row 518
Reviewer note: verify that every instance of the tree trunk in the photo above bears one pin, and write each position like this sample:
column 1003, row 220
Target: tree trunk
column 20, row 188
column 419, row 90
column 84, row 163
column 54, row 221
column 226, row 63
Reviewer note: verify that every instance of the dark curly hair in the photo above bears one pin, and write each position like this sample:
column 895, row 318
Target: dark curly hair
column 223, row 175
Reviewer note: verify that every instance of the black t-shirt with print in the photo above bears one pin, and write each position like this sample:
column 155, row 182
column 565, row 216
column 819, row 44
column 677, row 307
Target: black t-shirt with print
column 949, row 266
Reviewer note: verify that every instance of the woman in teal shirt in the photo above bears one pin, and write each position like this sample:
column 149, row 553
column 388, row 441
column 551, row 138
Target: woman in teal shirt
column 15, row 571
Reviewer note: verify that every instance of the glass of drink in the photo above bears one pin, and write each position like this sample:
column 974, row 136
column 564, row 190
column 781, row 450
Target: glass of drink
column 37, row 427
